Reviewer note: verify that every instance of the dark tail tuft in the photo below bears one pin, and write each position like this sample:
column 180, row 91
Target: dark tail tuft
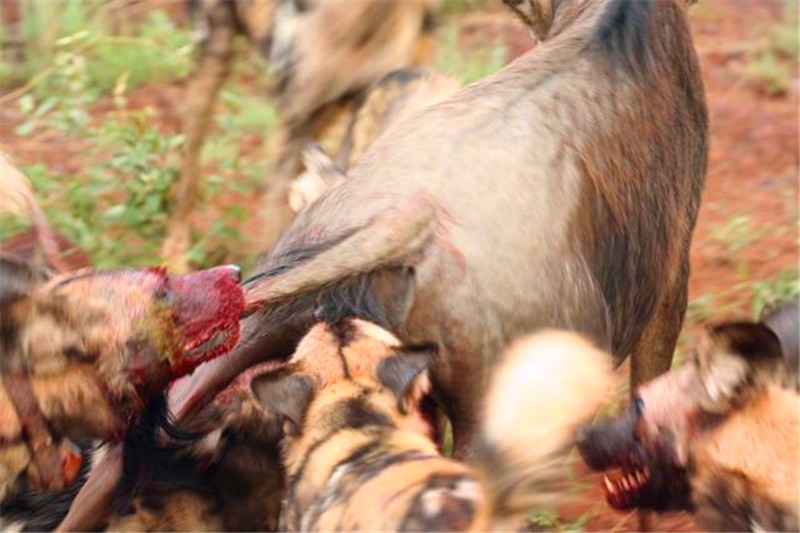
column 623, row 34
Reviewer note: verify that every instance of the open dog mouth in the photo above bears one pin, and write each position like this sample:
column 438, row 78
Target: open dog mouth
column 623, row 486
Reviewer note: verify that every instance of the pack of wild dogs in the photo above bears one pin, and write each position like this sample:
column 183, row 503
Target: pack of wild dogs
column 477, row 258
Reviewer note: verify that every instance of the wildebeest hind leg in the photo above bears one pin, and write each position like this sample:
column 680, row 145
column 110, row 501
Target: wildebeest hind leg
column 652, row 355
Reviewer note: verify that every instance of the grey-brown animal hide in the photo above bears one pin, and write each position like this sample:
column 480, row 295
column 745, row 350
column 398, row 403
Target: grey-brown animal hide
column 560, row 192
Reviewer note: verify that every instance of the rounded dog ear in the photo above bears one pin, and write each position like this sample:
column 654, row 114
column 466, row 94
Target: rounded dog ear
column 736, row 361
column 536, row 14
column 405, row 374
column 287, row 396
column 18, row 279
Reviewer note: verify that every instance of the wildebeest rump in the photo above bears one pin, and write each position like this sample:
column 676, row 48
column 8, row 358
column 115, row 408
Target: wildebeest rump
column 561, row 191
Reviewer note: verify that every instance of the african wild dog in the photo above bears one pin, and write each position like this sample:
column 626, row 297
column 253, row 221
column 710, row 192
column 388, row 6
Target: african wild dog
column 391, row 99
column 84, row 352
column 223, row 474
column 322, row 53
column 560, row 192
column 358, row 451
column 717, row 436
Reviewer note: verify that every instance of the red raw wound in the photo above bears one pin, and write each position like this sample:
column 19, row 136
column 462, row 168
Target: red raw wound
column 207, row 309
column 70, row 461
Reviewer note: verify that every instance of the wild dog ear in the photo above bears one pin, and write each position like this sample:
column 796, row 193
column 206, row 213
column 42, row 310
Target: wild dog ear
column 321, row 175
column 405, row 374
column 736, row 361
column 18, row 279
column 318, row 162
column 536, row 14
column 287, row 396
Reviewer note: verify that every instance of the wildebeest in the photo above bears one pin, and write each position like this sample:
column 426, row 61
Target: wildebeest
column 560, row 192
column 322, row 53
column 358, row 453
column 718, row 436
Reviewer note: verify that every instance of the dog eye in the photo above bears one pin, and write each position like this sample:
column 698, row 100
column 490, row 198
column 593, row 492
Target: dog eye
column 638, row 405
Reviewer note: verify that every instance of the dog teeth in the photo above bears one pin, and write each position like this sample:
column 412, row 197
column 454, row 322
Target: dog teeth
column 609, row 485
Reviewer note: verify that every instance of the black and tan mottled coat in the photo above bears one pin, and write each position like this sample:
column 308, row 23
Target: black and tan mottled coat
column 359, row 455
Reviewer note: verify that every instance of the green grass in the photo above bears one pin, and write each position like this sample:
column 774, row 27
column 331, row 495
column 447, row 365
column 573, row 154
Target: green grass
column 468, row 67
column 775, row 64
column 549, row 520
column 784, row 286
column 55, row 34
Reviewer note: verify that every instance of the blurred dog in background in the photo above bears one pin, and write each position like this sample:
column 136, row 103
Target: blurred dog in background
column 323, row 54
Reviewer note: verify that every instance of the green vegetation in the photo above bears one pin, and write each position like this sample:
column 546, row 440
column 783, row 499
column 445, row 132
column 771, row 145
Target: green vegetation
column 775, row 64
column 549, row 520
column 79, row 55
column 467, row 68
column 784, row 286
column 98, row 39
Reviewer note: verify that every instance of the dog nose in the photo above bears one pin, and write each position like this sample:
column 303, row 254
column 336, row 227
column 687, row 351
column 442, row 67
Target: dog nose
column 236, row 271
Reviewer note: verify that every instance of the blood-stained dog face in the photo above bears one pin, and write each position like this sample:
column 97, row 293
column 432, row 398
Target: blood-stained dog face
column 84, row 352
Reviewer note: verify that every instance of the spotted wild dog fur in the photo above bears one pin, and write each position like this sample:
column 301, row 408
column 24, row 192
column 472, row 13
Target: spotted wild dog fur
column 358, row 452
column 717, row 436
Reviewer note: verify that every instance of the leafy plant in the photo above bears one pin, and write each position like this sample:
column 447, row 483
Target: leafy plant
column 92, row 35
column 549, row 520
column 786, row 286
column 775, row 64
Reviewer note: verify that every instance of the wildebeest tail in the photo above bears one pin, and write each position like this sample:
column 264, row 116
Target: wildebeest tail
column 548, row 385
column 622, row 33
column 386, row 241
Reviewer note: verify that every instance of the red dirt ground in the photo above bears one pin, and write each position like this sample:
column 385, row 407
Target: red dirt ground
column 753, row 172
